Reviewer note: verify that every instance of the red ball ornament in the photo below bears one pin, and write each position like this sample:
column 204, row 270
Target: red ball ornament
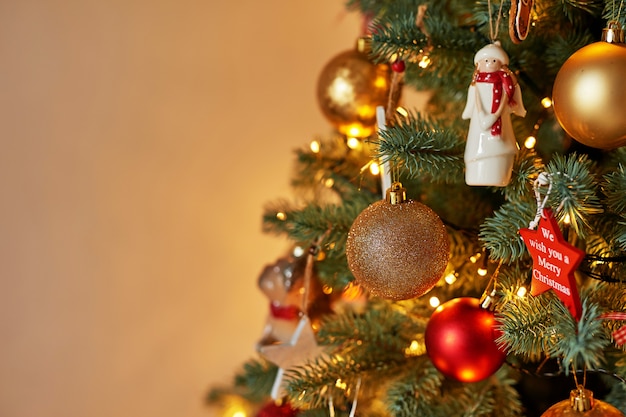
column 460, row 340
column 398, row 66
column 273, row 409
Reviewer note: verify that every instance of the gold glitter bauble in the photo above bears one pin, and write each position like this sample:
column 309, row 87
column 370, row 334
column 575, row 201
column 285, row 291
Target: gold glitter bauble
column 397, row 251
column 589, row 95
column 349, row 89
column 582, row 404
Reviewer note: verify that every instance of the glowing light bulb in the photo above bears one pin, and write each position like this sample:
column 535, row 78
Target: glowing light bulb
column 414, row 349
column 340, row 384
column 402, row 111
column 424, row 62
column 315, row 146
column 450, row 278
column 434, row 302
column 482, row 271
column 521, row 292
column 298, row 251
column 281, row 216
column 329, row 182
column 353, row 143
column 375, row 168
column 567, row 219
column 530, row 142
column 356, row 131
column 546, row 102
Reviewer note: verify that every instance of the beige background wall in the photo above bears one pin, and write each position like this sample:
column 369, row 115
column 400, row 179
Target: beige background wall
column 140, row 140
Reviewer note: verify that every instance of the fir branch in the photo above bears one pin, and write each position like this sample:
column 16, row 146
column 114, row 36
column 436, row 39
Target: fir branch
column 577, row 12
column 254, row 382
column 337, row 163
column 257, row 377
column 606, row 255
column 421, row 146
column 526, row 325
column 312, row 221
column 580, row 345
column 617, row 397
column 573, row 191
column 500, row 233
column 380, row 327
column 397, row 36
column 415, row 392
column 527, row 165
column 614, row 188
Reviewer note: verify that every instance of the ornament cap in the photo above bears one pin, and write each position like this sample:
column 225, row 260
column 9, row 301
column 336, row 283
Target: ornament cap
column 581, row 399
column 613, row 33
column 364, row 45
column 396, row 194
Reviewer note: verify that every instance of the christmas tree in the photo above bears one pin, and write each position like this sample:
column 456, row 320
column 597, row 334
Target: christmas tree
column 464, row 258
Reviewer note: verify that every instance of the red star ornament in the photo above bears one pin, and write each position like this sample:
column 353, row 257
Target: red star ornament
column 554, row 262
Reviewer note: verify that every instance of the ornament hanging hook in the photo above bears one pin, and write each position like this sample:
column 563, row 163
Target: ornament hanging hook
column 356, row 396
column 542, row 180
column 493, row 31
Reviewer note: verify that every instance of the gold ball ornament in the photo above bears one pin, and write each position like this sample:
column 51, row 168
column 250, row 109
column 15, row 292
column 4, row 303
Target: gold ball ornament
column 397, row 248
column 582, row 404
column 589, row 93
column 349, row 89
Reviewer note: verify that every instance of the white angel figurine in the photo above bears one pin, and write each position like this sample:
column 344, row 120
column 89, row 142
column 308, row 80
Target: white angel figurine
column 492, row 96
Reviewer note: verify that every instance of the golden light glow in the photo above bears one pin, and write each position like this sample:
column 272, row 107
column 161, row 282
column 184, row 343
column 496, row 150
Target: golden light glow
column 352, row 292
column 434, row 302
column 235, row 407
column 546, row 102
column 467, row 375
column 521, row 292
column 298, row 251
column 567, row 219
column 327, row 290
column 329, row 182
column 482, row 272
column 530, row 142
column 357, row 130
column 415, row 349
column 450, row 278
column 375, row 168
column 340, row 384
column 353, row 143
column 424, row 62
column 380, row 82
column 592, row 90
column 281, row 216
column 475, row 258
column 315, row 146
column 402, row 111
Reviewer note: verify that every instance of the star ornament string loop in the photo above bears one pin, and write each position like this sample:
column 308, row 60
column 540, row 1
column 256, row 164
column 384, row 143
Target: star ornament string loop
column 544, row 179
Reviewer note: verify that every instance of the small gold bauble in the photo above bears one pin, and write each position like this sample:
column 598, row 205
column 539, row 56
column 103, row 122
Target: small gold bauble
column 397, row 251
column 349, row 89
column 589, row 95
column 582, row 404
